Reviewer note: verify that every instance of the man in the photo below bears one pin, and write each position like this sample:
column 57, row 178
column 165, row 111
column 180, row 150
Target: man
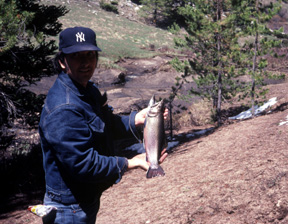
column 77, row 129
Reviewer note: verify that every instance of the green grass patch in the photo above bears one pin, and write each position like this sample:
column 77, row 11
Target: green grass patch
column 117, row 36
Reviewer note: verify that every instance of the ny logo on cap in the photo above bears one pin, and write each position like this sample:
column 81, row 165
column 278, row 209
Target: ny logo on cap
column 80, row 37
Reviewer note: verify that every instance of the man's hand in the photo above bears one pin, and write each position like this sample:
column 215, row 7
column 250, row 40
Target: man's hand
column 140, row 116
column 163, row 156
column 139, row 161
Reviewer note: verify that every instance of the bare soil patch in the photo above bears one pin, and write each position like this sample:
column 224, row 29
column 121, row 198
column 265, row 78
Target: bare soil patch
column 236, row 174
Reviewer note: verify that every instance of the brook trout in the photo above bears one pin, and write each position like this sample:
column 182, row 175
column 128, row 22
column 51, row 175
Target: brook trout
column 154, row 137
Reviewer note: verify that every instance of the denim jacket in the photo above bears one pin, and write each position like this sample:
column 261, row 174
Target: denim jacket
column 77, row 131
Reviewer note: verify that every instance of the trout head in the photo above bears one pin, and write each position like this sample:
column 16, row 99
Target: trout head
column 155, row 108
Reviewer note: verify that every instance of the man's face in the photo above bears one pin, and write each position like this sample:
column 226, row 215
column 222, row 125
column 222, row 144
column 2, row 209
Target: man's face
column 80, row 66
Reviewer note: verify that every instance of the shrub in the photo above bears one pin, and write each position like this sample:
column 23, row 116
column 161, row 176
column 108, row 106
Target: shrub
column 109, row 7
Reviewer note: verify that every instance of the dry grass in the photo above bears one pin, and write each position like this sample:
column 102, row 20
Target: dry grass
column 199, row 113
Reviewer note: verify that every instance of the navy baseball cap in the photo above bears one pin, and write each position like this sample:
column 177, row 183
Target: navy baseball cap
column 77, row 39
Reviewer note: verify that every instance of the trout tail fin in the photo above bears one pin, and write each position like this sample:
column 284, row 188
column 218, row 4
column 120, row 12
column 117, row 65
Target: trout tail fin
column 155, row 172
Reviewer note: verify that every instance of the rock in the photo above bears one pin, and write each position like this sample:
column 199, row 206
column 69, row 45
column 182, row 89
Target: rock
column 121, row 79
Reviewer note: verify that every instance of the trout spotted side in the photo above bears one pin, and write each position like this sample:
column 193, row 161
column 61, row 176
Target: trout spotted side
column 154, row 137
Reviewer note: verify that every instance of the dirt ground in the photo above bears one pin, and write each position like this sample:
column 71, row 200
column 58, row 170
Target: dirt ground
column 235, row 174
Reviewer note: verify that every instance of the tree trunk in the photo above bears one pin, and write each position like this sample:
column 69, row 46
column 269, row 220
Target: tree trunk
column 219, row 78
column 155, row 14
column 254, row 65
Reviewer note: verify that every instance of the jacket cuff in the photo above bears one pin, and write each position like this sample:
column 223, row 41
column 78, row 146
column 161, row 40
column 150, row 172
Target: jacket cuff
column 132, row 121
column 122, row 164
column 132, row 126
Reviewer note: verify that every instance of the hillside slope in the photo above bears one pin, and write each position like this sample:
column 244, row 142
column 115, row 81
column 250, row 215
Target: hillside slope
column 237, row 174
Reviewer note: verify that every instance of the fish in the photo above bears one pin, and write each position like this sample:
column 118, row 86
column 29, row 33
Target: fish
column 154, row 138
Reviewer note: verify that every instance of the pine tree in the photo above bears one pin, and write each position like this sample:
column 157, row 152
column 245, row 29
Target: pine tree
column 252, row 17
column 12, row 23
column 211, row 37
column 156, row 9
column 214, row 29
column 25, row 50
